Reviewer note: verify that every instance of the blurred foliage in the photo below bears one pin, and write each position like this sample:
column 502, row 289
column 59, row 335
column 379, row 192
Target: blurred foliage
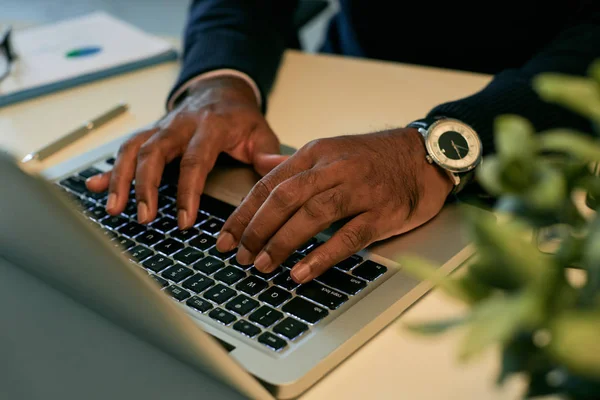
column 519, row 296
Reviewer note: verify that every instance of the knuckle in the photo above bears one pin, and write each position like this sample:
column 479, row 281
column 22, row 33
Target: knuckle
column 148, row 150
column 127, row 147
column 191, row 161
column 330, row 204
column 356, row 238
column 283, row 195
column 262, row 189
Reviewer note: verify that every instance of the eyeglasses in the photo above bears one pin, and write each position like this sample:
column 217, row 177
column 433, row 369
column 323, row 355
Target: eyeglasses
column 7, row 55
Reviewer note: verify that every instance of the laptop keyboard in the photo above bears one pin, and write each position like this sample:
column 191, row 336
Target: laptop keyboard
column 269, row 308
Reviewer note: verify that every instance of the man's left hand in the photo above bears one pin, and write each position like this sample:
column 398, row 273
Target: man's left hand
column 380, row 182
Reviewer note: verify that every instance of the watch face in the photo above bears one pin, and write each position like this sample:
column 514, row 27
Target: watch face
column 453, row 145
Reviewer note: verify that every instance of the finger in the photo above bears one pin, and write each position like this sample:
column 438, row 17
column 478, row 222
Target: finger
column 264, row 162
column 98, row 183
column 153, row 155
column 357, row 234
column 316, row 215
column 123, row 172
column 313, row 192
column 196, row 163
column 238, row 221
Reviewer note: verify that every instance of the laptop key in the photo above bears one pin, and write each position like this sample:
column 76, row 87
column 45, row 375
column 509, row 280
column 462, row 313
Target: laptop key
column 123, row 243
column 88, row 173
column 199, row 304
column 177, row 293
column 290, row 328
column 140, row 253
column 349, row 263
column 150, row 237
column 97, row 213
column 305, row 310
column 131, row 210
column 160, row 281
column 114, row 221
column 188, row 256
column 169, row 246
column 198, row 283
column 219, row 294
column 185, row 234
column 169, row 190
column 132, row 229
column 265, row 316
column 246, row 328
column 77, row 184
column 272, row 341
column 264, row 276
column 211, row 226
column 222, row 316
column 177, row 273
column 252, row 285
column 230, row 275
column 292, row 260
column 111, row 161
column 209, row 265
column 369, row 270
column 216, row 207
column 342, row 281
column 274, row 296
column 203, row 242
column 222, row 256
column 320, row 294
column 234, row 261
column 164, row 201
column 164, row 224
column 157, row 263
column 285, row 280
column 242, row 305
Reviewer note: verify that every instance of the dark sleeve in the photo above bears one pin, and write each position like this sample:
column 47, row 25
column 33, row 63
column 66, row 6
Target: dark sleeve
column 510, row 92
column 246, row 35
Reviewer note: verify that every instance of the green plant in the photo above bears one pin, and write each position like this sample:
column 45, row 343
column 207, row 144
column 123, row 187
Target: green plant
column 519, row 296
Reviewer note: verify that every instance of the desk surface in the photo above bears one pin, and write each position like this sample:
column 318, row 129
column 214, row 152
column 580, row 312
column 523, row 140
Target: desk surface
column 315, row 96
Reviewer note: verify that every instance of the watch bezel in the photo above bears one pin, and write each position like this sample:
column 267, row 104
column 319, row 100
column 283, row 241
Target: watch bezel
column 429, row 143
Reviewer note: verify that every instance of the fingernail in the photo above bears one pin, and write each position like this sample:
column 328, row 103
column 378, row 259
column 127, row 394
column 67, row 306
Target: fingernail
column 142, row 212
column 263, row 261
column 93, row 178
column 225, row 242
column 182, row 217
column 111, row 202
column 244, row 256
column 301, row 273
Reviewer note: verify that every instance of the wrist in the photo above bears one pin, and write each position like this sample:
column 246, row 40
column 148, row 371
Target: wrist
column 434, row 176
column 224, row 88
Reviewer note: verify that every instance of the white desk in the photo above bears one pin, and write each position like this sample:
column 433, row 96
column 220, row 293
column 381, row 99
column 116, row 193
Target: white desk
column 315, row 96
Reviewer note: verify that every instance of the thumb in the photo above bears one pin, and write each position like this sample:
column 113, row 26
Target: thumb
column 265, row 162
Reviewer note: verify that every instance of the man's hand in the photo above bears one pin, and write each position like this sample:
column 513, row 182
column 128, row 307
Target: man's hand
column 380, row 182
column 218, row 115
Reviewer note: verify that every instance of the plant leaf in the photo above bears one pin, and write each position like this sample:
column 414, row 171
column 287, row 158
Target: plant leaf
column 591, row 262
column 575, row 341
column 508, row 246
column 435, row 327
column 424, row 270
column 581, row 146
column 576, row 93
column 514, row 138
column 498, row 319
column 548, row 192
column 488, row 175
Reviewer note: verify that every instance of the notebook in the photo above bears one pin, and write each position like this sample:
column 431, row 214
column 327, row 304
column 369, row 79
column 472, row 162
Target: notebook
column 78, row 51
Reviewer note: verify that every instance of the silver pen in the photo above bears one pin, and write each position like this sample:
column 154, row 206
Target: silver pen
column 77, row 134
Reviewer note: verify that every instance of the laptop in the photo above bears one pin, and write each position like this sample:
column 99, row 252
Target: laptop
column 260, row 334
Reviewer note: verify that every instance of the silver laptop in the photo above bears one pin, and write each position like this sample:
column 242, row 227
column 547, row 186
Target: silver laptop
column 259, row 333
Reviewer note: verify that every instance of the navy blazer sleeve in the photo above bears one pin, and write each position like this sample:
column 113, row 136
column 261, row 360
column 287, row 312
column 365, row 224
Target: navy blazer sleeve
column 511, row 92
column 246, row 35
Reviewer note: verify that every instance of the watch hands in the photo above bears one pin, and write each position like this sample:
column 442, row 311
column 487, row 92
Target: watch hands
column 455, row 147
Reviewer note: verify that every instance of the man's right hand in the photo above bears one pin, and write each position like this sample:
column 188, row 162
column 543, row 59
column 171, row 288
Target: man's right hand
column 218, row 115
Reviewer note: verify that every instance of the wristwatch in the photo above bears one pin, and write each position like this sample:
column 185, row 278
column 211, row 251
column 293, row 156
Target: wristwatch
column 453, row 145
